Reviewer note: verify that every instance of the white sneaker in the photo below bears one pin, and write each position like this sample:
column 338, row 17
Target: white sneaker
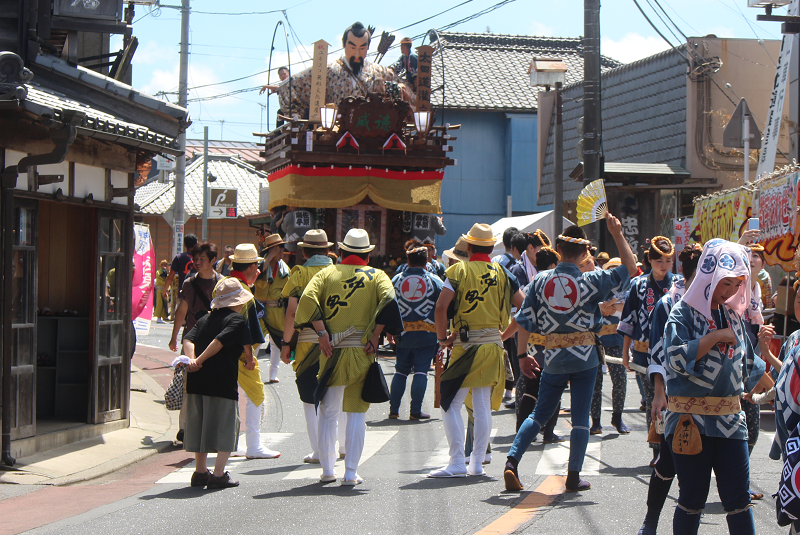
column 263, row 453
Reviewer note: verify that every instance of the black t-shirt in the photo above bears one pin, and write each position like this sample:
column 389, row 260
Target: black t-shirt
column 195, row 303
column 220, row 374
column 182, row 265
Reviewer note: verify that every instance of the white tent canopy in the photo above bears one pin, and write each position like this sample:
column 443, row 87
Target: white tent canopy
column 526, row 223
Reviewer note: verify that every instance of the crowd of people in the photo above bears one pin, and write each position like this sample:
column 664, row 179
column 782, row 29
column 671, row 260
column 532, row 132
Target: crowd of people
column 519, row 329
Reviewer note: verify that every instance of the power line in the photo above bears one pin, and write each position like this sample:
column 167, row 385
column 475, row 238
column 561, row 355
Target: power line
column 685, row 38
column 650, row 22
column 664, row 22
column 447, row 26
column 249, row 12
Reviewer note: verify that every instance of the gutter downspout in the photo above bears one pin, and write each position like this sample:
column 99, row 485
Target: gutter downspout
column 63, row 138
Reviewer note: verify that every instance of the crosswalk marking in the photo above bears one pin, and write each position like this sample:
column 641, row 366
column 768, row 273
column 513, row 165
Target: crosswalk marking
column 555, row 459
column 184, row 475
column 373, row 442
column 441, row 455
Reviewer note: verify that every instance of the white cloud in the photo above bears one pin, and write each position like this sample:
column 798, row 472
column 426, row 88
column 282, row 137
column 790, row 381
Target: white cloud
column 541, row 30
column 632, row 47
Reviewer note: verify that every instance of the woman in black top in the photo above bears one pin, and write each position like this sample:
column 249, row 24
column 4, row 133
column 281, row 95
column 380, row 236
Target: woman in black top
column 213, row 347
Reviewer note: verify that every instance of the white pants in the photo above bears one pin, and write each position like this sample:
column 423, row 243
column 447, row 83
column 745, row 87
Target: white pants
column 252, row 426
column 355, row 432
column 310, row 412
column 455, row 432
column 274, row 360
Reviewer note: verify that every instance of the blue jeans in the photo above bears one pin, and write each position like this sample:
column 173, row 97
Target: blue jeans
column 419, row 360
column 730, row 461
column 551, row 386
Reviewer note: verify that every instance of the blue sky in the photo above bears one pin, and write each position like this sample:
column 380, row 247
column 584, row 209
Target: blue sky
column 225, row 47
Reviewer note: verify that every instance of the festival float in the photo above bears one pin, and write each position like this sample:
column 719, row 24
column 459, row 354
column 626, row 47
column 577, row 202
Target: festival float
column 359, row 147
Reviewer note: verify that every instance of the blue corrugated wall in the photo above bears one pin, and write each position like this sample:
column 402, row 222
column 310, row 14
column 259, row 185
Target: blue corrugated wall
column 496, row 155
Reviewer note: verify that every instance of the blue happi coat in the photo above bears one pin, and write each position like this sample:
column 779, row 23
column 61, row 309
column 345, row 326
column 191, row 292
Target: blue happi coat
column 635, row 323
column 658, row 321
column 564, row 300
column 787, row 391
column 416, row 291
column 726, row 370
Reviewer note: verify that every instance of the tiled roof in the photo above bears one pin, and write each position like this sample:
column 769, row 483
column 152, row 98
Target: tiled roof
column 490, row 72
column 44, row 101
column 644, row 119
column 231, row 172
column 245, row 150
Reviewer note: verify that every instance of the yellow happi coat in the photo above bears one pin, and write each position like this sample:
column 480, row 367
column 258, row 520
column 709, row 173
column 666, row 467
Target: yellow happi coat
column 298, row 280
column 344, row 296
column 249, row 380
column 269, row 288
column 482, row 300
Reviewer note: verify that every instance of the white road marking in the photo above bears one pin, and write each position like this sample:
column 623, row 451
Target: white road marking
column 373, row 442
column 441, row 455
column 555, row 459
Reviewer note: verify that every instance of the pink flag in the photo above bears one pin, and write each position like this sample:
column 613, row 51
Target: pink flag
column 144, row 260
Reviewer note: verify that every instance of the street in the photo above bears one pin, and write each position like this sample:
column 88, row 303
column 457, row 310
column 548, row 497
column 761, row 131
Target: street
column 282, row 496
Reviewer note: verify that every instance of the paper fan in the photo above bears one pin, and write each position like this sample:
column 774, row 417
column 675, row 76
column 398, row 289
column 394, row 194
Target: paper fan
column 592, row 204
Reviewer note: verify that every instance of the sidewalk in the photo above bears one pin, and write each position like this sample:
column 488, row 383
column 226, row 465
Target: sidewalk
column 152, row 429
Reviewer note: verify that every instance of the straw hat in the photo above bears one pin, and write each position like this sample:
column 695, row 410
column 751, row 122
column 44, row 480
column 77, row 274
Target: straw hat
column 614, row 262
column 459, row 251
column 271, row 241
column 246, row 253
column 356, row 241
column 406, row 41
column 603, row 256
column 480, row 234
column 230, row 293
column 315, row 239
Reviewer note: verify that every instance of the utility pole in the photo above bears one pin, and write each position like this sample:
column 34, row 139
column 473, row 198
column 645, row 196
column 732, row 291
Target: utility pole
column 592, row 145
column 205, row 183
column 558, row 166
column 183, row 95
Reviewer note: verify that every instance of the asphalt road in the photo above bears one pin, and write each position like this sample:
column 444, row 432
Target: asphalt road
column 282, row 496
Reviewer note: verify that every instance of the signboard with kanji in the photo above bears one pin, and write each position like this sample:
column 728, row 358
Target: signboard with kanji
column 373, row 117
column 319, row 79
column 222, row 203
column 424, row 55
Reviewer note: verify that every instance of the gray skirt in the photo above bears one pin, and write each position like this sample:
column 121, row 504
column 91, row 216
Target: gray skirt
column 212, row 424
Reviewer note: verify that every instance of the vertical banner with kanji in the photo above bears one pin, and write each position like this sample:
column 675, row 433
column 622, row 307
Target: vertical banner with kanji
column 319, row 79
column 774, row 206
column 144, row 260
column 424, row 56
column 681, row 234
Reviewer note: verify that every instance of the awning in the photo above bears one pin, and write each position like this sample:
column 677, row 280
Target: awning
column 340, row 187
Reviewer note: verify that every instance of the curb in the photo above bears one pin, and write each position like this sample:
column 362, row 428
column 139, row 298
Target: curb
column 163, row 443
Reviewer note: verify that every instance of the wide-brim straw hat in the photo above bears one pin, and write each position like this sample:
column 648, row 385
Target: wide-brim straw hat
column 356, row 241
column 246, row 253
column 614, row 262
column 271, row 241
column 603, row 256
column 315, row 239
column 480, row 234
column 229, row 293
column 458, row 252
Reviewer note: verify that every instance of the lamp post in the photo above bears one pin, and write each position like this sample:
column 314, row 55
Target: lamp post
column 546, row 72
